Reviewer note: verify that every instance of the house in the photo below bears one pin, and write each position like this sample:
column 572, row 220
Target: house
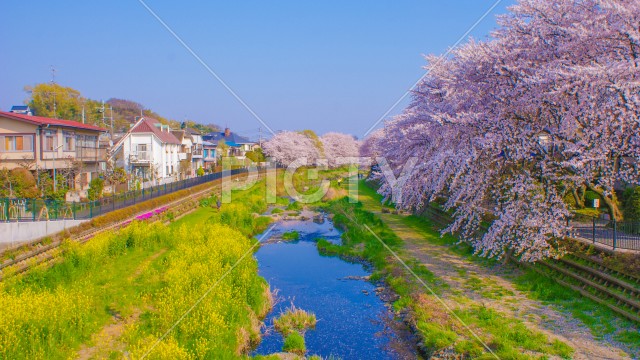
column 149, row 152
column 52, row 145
column 185, row 168
column 197, row 150
column 209, row 155
column 21, row 109
column 238, row 145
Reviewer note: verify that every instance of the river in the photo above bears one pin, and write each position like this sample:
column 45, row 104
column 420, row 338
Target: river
column 353, row 322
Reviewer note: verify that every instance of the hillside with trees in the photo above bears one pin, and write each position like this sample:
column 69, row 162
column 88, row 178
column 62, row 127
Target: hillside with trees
column 70, row 105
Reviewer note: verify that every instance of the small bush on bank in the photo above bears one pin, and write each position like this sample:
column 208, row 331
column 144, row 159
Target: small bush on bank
column 291, row 235
column 294, row 343
column 294, row 320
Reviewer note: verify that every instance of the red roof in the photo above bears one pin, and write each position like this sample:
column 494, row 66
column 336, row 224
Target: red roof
column 148, row 125
column 39, row 120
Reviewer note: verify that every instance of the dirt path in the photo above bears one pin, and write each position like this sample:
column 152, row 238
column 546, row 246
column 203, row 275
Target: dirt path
column 480, row 285
column 106, row 341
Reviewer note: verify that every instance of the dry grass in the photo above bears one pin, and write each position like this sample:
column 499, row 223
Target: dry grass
column 294, row 320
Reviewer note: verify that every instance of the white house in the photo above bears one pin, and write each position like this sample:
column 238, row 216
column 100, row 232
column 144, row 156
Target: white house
column 149, row 152
column 197, row 153
column 191, row 149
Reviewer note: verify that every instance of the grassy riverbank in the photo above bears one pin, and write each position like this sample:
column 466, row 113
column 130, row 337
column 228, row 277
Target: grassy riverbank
column 121, row 291
column 440, row 330
column 501, row 303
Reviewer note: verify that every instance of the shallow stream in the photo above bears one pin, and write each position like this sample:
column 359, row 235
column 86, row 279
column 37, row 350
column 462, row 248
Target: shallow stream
column 353, row 322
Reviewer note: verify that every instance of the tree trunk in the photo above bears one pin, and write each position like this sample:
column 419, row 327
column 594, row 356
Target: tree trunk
column 577, row 198
column 609, row 201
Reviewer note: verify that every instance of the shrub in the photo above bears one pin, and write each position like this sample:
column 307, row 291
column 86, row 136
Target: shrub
column 294, row 343
column 631, row 203
column 294, row 320
column 200, row 171
column 96, row 186
column 291, row 235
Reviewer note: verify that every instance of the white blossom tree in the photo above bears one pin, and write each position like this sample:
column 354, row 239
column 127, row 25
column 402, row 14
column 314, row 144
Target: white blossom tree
column 287, row 146
column 505, row 128
column 339, row 149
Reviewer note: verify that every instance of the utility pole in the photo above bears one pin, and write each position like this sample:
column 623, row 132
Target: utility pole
column 83, row 113
column 53, row 82
column 260, row 135
column 111, row 110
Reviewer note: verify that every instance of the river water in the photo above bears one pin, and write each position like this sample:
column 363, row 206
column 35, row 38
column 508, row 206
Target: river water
column 353, row 322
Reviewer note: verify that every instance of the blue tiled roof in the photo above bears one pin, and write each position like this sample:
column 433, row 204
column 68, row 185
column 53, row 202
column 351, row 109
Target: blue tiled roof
column 232, row 140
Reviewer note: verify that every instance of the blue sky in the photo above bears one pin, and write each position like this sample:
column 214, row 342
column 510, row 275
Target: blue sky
column 323, row 65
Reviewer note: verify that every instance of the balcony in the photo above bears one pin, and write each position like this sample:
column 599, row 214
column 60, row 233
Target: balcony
column 182, row 156
column 91, row 153
column 196, row 153
column 140, row 157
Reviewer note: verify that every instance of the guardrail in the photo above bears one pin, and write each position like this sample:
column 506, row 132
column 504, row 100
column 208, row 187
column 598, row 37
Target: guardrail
column 26, row 210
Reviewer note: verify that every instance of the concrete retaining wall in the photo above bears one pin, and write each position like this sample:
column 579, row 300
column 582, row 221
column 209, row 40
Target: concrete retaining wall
column 12, row 233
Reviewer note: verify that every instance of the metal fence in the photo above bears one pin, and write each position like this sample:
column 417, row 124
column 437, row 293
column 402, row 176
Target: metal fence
column 617, row 235
column 38, row 209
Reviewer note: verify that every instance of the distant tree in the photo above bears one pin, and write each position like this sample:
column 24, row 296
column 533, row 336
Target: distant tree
column 288, row 146
column 114, row 174
column 68, row 101
column 315, row 139
column 96, row 186
column 184, row 168
column 256, row 155
column 339, row 149
column 222, row 149
column 370, row 147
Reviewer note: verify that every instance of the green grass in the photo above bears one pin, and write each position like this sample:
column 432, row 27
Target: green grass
column 601, row 320
column 294, row 343
column 437, row 328
column 291, row 235
column 150, row 269
column 294, row 320
column 198, row 216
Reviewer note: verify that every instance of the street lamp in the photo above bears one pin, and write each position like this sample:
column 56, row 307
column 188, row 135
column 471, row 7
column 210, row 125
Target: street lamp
column 54, row 166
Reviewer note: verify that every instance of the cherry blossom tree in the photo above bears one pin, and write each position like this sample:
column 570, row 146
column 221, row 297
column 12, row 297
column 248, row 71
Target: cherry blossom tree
column 504, row 129
column 287, row 146
column 340, row 149
column 370, row 146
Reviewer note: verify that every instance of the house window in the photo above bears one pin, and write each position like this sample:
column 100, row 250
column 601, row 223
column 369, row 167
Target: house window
column 69, row 141
column 50, row 140
column 87, row 141
column 91, row 141
column 16, row 143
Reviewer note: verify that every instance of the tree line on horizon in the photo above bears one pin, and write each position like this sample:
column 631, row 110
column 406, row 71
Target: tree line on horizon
column 69, row 104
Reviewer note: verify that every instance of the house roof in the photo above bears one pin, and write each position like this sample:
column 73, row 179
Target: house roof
column 233, row 139
column 179, row 134
column 150, row 125
column 209, row 143
column 191, row 131
column 39, row 120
